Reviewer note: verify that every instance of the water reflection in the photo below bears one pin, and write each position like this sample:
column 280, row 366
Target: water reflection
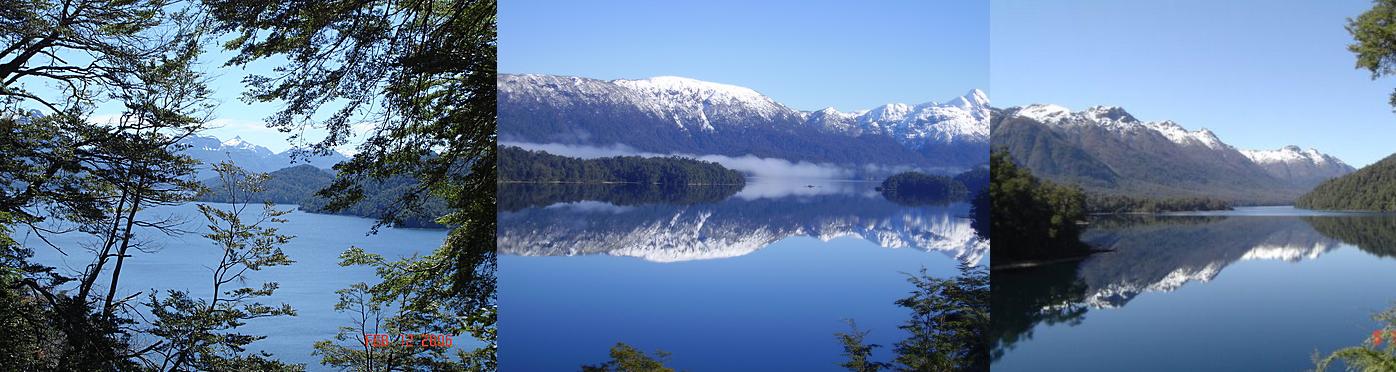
column 702, row 223
column 1153, row 254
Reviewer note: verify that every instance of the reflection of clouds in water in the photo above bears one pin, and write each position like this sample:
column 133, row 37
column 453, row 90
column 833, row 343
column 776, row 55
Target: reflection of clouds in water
column 758, row 188
column 589, row 206
column 749, row 164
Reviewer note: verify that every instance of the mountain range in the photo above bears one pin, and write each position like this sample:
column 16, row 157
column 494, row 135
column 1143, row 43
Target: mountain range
column 1106, row 149
column 249, row 156
column 674, row 115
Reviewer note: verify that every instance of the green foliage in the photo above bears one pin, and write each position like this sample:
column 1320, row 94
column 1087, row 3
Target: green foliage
column 949, row 326
column 1374, row 40
column 858, row 352
column 1030, row 218
column 1371, row 356
column 1372, row 188
column 625, row 358
column 521, row 165
column 915, row 188
column 199, row 334
column 423, row 72
column 388, row 307
column 1103, row 203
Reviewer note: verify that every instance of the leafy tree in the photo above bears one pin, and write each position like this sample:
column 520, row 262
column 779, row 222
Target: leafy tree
column 858, row 351
column 1033, row 219
column 64, row 170
column 626, row 358
column 949, row 326
column 423, row 72
column 1371, row 356
column 1374, row 40
column 198, row 334
column 381, row 309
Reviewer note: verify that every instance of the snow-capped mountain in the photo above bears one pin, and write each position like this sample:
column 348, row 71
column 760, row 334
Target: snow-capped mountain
column 731, row 228
column 1106, row 148
column 247, row 155
column 1306, row 167
column 962, row 119
column 680, row 115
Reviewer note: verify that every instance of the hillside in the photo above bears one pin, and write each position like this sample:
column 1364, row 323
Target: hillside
column 1372, row 188
column 1106, row 150
column 298, row 185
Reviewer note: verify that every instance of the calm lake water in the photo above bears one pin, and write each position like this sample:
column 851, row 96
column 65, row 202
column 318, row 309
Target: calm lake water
column 1257, row 289
column 757, row 278
column 183, row 262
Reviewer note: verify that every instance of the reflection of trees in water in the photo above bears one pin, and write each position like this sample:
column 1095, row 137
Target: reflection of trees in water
column 1372, row 234
column 1161, row 254
column 517, row 196
column 1024, row 298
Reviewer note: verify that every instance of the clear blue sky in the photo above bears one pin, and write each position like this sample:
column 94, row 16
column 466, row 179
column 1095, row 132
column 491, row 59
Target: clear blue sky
column 805, row 54
column 1261, row 74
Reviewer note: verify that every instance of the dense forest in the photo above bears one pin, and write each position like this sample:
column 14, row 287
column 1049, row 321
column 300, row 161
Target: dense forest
column 1372, row 188
column 299, row 184
column 915, row 188
column 1032, row 219
column 1106, row 203
column 519, row 165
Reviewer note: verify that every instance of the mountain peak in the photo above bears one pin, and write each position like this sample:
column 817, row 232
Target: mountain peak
column 1114, row 113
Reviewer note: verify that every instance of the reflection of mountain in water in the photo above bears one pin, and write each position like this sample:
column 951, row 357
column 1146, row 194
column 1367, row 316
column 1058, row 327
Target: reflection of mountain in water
column 733, row 227
column 1163, row 254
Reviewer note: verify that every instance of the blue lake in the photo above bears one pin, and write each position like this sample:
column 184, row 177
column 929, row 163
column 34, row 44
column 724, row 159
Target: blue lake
column 183, row 262
column 760, row 279
column 1256, row 289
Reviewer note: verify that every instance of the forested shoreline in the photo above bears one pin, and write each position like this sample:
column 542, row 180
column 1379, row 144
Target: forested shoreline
column 528, row 166
column 300, row 184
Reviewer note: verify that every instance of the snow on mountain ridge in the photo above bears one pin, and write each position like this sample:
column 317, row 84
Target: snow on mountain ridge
column 964, row 118
column 1290, row 154
column 1115, row 118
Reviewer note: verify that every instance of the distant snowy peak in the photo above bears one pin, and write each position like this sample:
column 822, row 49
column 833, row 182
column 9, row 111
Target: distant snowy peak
column 237, row 143
column 1116, row 119
column 962, row 119
column 1304, row 167
column 1291, row 154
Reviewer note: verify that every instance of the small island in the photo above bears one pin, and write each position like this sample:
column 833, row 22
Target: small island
column 517, row 165
column 915, row 188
